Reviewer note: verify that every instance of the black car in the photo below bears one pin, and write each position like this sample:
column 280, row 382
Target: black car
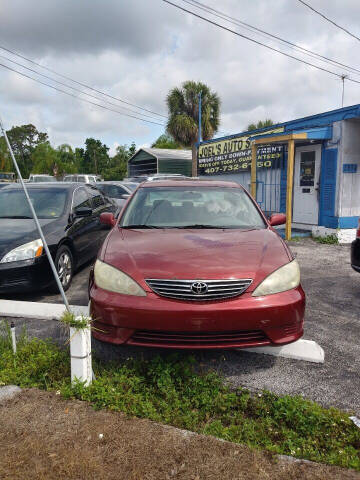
column 70, row 217
column 355, row 251
column 118, row 191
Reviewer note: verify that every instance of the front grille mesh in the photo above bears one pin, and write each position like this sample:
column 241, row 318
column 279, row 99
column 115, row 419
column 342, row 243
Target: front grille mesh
column 148, row 337
column 182, row 289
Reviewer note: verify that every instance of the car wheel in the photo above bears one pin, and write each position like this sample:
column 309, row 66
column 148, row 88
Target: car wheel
column 64, row 264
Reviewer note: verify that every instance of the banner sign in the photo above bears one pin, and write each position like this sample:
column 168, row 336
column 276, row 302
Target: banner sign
column 234, row 155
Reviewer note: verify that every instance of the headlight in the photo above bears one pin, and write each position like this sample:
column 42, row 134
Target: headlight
column 112, row 279
column 24, row 252
column 285, row 278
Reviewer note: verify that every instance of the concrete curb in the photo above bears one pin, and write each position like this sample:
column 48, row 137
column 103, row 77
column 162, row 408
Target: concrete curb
column 306, row 350
column 47, row 311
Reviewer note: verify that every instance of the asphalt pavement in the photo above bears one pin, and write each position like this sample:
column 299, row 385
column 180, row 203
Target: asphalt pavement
column 332, row 320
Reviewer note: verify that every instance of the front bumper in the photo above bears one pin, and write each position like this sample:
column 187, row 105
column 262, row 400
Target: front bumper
column 26, row 275
column 156, row 321
column 355, row 255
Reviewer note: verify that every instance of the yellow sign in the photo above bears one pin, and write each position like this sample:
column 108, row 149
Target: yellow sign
column 234, row 154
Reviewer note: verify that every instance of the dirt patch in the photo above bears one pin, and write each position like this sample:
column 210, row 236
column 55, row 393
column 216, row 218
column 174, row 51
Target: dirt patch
column 43, row 436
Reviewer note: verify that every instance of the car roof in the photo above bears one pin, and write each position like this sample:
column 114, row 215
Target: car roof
column 68, row 185
column 190, row 183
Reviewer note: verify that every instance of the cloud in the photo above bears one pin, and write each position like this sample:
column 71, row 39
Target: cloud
column 137, row 50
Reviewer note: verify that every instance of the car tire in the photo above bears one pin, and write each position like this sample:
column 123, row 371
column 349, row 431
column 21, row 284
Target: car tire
column 64, row 264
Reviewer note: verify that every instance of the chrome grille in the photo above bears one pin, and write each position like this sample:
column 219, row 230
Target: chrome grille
column 195, row 290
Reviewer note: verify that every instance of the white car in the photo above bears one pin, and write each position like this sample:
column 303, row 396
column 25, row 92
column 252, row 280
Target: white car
column 36, row 178
column 82, row 178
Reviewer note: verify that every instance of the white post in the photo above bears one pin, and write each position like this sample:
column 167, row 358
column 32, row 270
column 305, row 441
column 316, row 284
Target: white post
column 13, row 337
column 80, row 353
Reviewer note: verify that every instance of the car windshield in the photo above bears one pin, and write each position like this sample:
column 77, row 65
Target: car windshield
column 7, row 176
column 48, row 203
column 189, row 207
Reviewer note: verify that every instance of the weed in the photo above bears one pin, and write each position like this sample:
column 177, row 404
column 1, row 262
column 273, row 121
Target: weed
column 169, row 389
column 328, row 239
column 71, row 320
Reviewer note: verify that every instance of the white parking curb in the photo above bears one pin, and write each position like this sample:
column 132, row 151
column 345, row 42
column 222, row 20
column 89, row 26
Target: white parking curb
column 306, row 350
column 47, row 311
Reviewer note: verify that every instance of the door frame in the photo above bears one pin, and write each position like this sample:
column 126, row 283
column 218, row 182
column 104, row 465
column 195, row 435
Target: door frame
column 298, row 149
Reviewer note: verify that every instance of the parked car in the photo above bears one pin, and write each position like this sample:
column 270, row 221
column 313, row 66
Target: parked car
column 355, row 251
column 195, row 264
column 119, row 192
column 70, row 217
column 7, row 177
column 156, row 176
column 37, row 178
column 82, row 178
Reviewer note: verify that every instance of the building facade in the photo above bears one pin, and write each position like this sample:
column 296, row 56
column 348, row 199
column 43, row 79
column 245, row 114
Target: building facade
column 326, row 181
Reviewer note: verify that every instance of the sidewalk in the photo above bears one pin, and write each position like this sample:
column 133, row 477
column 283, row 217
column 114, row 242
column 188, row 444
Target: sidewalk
column 46, row 437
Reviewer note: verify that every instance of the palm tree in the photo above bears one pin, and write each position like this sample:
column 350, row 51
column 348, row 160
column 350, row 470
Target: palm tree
column 260, row 124
column 183, row 106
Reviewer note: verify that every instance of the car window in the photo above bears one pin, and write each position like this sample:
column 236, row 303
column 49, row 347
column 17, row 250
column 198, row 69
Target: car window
column 115, row 191
column 81, row 178
column 81, row 199
column 181, row 207
column 96, row 198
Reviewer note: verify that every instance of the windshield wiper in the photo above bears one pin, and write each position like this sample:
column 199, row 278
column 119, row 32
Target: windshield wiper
column 140, row 226
column 201, row 225
column 16, row 216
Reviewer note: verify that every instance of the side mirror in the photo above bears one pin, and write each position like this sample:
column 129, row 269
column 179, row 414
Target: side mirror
column 277, row 219
column 108, row 219
column 83, row 212
column 125, row 196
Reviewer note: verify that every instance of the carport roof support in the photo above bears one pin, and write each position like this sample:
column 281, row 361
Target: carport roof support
column 290, row 139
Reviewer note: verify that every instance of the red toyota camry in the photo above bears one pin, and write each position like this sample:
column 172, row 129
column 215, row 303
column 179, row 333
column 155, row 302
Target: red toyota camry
column 195, row 264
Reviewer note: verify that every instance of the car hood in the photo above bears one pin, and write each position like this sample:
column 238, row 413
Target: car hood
column 15, row 232
column 196, row 254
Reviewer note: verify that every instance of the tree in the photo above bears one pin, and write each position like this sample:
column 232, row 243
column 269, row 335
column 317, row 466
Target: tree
column 24, row 139
column 260, row 124
column 166, row 141
column 183, row 106
column 67, row 159
column 118, row 163
column 96, row 158
column 6, row 164
column 45, row 159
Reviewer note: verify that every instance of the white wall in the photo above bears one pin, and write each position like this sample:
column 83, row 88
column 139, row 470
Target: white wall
column 349, row 183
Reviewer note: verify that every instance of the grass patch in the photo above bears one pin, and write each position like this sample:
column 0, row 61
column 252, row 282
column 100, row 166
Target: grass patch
column 169, row 390
column 328, row 239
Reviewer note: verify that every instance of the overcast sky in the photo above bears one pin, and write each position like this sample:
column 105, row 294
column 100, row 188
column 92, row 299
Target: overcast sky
column 137, row 50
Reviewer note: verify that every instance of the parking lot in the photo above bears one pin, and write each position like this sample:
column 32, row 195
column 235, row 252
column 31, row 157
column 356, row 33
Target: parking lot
column 332, row 320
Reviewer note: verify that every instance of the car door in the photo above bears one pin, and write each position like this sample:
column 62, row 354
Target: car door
column 82, row 228
column 100, row 204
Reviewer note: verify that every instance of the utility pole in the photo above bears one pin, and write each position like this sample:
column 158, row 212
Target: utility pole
column 199, row 133
column 343, row 77
column 194, row 148
column 95, row 162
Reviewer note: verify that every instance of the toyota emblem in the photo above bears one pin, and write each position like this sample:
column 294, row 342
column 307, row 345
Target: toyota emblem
column 199, row 288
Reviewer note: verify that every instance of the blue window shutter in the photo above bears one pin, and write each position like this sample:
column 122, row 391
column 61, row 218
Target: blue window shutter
column 283, row 182
column 328, row 188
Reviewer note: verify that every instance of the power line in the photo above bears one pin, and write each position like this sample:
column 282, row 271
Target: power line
column 79, row 83
column 329, row 20
column 74, row 88
column 265, row 34
column 79, row 98
column 257, row 42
